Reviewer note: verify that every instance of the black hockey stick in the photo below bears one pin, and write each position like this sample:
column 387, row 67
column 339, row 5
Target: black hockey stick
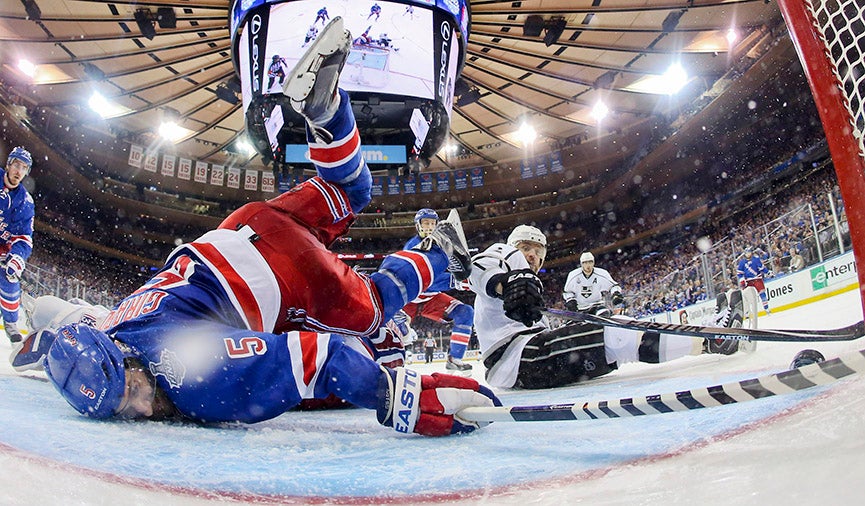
column 848, row 333
column 782, row 383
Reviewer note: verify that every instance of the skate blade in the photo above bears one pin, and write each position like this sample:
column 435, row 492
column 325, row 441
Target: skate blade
column 303, row 75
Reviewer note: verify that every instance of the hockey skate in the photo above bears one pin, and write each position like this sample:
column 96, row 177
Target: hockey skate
column 312, row 84
column 449, row 235
column 728, row 314
column 458, row 366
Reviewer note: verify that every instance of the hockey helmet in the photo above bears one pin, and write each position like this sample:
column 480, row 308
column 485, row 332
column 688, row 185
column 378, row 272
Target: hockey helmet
column 526, row 233
column 87, row 368
column 424, row 214
column 587, row 257
column 19, row 153
column 275, row 57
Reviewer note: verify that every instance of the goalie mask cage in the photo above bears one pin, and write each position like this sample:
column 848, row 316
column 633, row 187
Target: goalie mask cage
column 829, row 36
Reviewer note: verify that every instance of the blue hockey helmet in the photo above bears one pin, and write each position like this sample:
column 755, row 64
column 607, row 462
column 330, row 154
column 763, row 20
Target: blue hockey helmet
column 19, row 153
column 86, row 367
column 424, row 214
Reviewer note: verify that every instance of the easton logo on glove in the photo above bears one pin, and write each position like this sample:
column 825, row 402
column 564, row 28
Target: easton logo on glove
column 522, row 297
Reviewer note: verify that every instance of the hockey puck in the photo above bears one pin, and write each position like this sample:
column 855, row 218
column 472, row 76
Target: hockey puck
column 807, row 357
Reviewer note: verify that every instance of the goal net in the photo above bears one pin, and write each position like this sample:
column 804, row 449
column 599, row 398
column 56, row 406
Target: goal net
column 368, row 66
column 829, row 36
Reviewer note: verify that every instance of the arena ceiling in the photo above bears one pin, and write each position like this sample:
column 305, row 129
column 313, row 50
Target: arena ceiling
column 608, row 50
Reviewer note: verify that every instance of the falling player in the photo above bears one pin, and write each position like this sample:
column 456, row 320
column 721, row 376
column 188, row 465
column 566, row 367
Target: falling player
column 519, row 348
column 433, row 304
column 240, row 325
column 586, row 288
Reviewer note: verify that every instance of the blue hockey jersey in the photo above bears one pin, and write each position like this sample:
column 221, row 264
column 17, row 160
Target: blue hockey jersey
column 443, row 281
column 751, row 268
column 185, row 326
column 16, row 221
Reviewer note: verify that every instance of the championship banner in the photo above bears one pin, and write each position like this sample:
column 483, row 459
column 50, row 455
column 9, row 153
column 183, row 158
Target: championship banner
column 477, row 174
column 541, row 165
column 233, row 178
column 409, row 184
column 184, row 169
column 150, row 161
column 526, row 170
column 393, row 185
column 556, row 161
column 443, row 181
column 267, row 181
column 217, row 175
column 200, row 172
column 426, row 183
column 168, row 165
column 250, row 182
column 136, row 156
column 461, row 179
column 377, row 186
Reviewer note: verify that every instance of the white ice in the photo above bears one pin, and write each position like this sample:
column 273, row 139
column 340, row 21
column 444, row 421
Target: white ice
column 800, row 449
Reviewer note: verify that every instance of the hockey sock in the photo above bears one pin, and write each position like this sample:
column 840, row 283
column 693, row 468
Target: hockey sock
column 340, row 161
column 463, row 318
column 404, row 275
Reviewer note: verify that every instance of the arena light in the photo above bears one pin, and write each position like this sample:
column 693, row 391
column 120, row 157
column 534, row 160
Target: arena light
column 676, row 78
column 732, row 36
column 600, row 111
column 27, row 67
column 244, row 147
column 105, row 107
column 527, row 134
column 173, row 132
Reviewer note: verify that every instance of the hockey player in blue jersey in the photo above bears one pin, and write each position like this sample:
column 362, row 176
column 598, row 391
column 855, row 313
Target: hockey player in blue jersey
column 750, row 272
column 16, row 237
column 438, row 306
column 250, row 319
column 322, row 15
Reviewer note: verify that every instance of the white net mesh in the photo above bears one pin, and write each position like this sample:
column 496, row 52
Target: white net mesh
column 841, row 25
column 368, row 66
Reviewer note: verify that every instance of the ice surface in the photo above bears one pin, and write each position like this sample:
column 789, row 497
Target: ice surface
column 796, row 449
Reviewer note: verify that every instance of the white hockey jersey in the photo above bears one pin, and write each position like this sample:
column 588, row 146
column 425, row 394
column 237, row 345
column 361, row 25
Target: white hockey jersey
column 491, row 324
column 589, row 290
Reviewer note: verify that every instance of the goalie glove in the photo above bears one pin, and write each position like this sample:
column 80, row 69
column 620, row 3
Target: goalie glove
column 14, row 267
column 617, row 298
column 522, row 296
column 428, row 405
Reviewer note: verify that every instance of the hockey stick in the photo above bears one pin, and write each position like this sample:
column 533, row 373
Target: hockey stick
column 782, row 383
column 849, row 333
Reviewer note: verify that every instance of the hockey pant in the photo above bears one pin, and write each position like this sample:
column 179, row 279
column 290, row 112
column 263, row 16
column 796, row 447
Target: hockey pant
column 443, row 308
column 554, row 358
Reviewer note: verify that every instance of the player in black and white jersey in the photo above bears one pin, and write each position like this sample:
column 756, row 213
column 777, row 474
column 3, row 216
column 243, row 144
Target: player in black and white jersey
column 520, row 349
column 587, row 287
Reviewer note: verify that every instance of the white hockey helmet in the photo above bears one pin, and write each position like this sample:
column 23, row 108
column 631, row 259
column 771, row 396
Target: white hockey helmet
column 587, row 257
column 526, row 233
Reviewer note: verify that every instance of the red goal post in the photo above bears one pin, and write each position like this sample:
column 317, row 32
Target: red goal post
column 829, row 36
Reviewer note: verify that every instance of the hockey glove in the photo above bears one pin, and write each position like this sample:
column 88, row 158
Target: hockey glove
column 14, row 267
column 571, row 305
column 522, row 296
column 427, row 405
column 617, row 298
column 743, row 284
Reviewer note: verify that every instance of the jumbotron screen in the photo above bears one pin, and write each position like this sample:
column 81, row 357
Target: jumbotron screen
column 403, row 52
column 392, row 46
